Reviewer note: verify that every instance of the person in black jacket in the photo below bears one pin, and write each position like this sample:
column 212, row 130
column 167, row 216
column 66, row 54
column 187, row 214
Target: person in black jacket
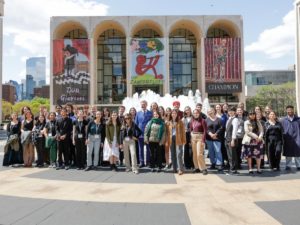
column 129, row 135
column 39, row 140
column 78, row 139
column 274, row 141
column 12, row 152
column 63, row 137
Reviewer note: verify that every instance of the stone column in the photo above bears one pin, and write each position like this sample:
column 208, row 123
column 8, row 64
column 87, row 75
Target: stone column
column 93, row 72
column 298, row 56
column 1, row 39
column 52, row 107
column 128, row 67
column 201, row 68
column 166, row 85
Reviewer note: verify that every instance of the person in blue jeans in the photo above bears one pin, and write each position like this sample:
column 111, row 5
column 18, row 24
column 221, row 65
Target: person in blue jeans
column 213, row 139
column 141, row 120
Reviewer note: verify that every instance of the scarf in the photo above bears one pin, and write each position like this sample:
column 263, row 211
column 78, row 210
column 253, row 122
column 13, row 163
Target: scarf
column 161, row 129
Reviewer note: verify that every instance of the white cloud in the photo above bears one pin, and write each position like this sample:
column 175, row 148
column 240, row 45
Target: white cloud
column 27, row 22
column 253, row 66
column 278, row 41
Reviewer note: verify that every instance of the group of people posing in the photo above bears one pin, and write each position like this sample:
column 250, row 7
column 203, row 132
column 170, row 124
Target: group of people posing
column 158, row 138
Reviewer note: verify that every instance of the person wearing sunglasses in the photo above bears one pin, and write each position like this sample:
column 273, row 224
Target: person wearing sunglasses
column 129, row 135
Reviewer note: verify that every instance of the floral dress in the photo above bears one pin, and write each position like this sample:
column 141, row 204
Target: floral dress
column 254, row 149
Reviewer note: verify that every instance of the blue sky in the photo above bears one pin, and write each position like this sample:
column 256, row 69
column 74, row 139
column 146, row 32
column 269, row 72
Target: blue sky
column 269, row 26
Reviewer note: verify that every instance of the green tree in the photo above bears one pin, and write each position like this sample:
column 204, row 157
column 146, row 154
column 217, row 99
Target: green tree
column 275, row 96
column 34, row 105
column 6, row 109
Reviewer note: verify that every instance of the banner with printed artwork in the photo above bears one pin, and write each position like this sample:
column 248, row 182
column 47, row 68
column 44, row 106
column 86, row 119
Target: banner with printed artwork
column 223, row 71
column 71, row 77
column 147, row 57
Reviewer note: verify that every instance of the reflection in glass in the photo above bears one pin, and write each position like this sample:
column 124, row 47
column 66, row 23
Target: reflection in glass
column 111, row 67
column 183, row 58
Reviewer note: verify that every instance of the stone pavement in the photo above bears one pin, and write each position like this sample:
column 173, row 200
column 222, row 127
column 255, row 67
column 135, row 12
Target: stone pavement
column 45, row 196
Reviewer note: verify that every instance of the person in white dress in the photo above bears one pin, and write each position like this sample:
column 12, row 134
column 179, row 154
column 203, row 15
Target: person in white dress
column 112, row 141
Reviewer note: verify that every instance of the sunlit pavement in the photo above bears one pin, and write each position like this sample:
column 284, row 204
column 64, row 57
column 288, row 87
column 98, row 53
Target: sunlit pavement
column 46, row 196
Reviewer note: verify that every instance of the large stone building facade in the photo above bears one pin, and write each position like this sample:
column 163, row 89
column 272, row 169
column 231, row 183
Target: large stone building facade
column 101, row 60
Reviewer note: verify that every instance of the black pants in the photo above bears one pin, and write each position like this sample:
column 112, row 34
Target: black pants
column 121, row 157
column 155, row 155
column 224, row 152
column 188, row 153
column 162, row 151
column 40, row 149
column 137, row 152
column 239, row 151
column 232, row 156
column 72, row 153
column 63, row 150
column 80, row 148
column 274, row 152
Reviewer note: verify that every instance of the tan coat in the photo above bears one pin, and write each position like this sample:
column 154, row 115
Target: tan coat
column 180, row 133
column 249, row 135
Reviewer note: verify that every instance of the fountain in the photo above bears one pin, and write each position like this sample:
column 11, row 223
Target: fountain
column 166, row 101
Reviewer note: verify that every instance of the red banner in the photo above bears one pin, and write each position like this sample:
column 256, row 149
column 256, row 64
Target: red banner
column 71, row 78
column 223, row 60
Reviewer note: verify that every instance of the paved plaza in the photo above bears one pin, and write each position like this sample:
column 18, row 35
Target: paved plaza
column 46, row 196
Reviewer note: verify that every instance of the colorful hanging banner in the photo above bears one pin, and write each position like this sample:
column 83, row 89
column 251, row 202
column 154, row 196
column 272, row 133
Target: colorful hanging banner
column 71, row 77
column 223, row 73
column 147, row 57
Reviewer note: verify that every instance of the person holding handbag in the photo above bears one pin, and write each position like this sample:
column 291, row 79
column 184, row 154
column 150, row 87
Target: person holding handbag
column 253, row 141
column 129, row 135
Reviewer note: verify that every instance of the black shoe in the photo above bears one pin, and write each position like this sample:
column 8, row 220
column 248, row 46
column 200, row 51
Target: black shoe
column 58, row 168
column 115, row 168
column 287, row 168
column 298, row 168
column 212, row 167
column 111, row 167
column 204, row 172
column 233, row 172
column 196, row 171
column 152, row 170
column 67, row 168
column 251, row 172
column 158, row 170
column 141, row 165
column 259, row 172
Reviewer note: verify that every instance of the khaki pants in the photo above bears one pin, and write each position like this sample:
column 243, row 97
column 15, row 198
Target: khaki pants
column 129, row 146
column 198, row 151
column 28, row 154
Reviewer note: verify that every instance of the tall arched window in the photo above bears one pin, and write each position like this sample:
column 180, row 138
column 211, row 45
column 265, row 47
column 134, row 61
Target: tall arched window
column 146, row 33
column 76, row 34
column 183, row 62
column 217, row 33
column 111, row 67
